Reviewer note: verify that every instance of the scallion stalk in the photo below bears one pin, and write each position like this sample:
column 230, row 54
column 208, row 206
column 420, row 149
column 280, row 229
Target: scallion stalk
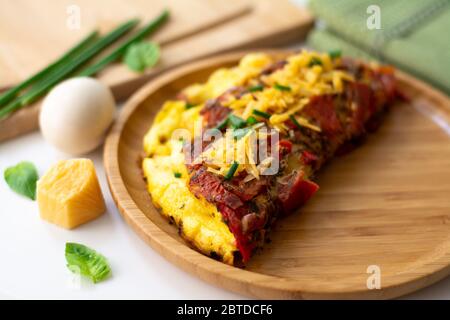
column 12, row 93
column 120, row 50
column 61, row 73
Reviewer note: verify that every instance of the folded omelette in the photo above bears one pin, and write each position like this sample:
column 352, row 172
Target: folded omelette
column 205, row 167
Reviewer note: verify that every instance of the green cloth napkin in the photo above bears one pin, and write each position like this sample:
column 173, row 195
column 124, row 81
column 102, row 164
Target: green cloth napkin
column 414, row 34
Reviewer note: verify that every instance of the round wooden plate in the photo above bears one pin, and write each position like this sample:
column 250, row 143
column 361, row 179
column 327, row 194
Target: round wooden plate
column 382, row 210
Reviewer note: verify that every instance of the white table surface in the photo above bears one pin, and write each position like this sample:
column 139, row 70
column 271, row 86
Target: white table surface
column 32, row 250
column 33, row 264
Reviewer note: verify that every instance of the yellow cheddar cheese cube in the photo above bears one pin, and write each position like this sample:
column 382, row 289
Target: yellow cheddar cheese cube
column 69, row 193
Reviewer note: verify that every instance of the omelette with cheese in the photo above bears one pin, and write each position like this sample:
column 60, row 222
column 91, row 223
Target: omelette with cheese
column 226, row 158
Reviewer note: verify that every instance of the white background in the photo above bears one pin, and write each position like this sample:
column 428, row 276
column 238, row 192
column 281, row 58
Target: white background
column 32, row 264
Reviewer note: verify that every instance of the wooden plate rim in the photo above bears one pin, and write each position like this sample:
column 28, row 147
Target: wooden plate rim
column 236, row 279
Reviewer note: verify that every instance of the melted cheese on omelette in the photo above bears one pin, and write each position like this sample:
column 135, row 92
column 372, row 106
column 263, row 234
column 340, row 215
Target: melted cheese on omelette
column 167, row 178
column 198, row 220
column 164, row 168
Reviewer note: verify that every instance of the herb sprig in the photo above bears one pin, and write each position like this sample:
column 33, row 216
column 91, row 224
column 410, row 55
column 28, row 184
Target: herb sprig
column 77, row 49
column 151, row 27
column 60, row 73
column 86, row 261
column 74, row 59
column 22, row 179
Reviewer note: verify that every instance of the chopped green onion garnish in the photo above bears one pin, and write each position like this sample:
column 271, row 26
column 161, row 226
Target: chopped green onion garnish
column 258, row 87
column 261, row 114
column 189, row 105
column 177, row 175
column 295, row 121
column 335, row 53
column 251, row 120
column 222, row 124
column 315, row 61
column 236, row 122
column 239, row 133
column 232, row 171
column 281, row 87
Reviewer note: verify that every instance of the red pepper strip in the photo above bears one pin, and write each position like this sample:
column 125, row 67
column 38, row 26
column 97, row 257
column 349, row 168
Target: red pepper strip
column 295, row 192
column 309, row 158
column 323, row 111
column 243, row 243
column 285, row 146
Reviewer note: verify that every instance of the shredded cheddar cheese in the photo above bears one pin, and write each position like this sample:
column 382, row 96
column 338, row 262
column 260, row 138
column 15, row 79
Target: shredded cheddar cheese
column 223, row 152
column 281, row 94
column 299, row 82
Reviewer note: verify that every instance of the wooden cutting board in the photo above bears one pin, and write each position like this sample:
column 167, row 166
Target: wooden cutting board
column 33, row 33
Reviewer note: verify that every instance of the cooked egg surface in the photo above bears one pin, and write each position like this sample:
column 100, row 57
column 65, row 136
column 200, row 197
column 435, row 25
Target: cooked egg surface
column 172, row 116
column 165, row 171
column 226, row 78
column 286, row 90
column 198, row 220
column 167, row 178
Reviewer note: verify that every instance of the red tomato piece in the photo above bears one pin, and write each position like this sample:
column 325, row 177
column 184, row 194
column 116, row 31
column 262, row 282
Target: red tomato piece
column 295, row 191
column 309, row 158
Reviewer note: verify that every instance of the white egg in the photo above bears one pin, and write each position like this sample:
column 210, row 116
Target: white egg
column 76, row 114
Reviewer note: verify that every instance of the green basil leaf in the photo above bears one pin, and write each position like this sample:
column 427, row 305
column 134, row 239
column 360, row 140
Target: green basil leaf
column 87, row 262
column 142, row 55
column 22, row 179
